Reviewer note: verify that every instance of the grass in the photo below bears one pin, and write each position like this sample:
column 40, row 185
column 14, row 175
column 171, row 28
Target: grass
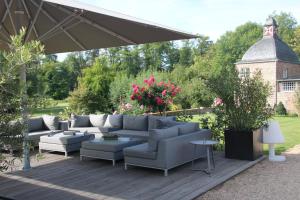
column 290, row 128
column 54, row 108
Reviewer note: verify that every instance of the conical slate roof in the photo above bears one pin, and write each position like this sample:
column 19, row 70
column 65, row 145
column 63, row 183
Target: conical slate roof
column 270, row 47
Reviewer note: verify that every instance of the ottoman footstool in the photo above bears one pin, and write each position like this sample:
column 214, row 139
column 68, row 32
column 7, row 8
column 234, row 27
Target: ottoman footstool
column 107, row 149
column 63, row 143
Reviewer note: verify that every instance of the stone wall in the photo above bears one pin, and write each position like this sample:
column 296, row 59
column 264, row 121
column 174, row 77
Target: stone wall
column 268, row 70
column 273, row 71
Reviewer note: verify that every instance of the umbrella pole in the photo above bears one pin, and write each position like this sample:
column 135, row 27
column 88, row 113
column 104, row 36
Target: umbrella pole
column 24, row 113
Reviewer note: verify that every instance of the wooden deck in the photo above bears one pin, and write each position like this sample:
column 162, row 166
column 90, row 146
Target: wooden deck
column 57, row 177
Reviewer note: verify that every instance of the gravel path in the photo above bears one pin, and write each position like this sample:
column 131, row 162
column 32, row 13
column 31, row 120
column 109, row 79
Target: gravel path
column 264, row 181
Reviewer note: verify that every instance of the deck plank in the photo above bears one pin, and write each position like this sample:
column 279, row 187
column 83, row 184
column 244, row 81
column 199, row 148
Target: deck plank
column 57, row 177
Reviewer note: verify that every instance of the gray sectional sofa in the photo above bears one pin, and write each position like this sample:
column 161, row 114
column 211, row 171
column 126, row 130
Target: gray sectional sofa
column 166, row 140
column 122, row 125
column 44, row 125
column 167, row 147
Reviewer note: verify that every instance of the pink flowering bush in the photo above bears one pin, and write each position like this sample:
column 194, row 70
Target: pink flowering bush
column 153, row 96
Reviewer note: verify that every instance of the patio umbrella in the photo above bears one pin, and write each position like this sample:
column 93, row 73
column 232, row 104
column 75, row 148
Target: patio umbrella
column 67, row 25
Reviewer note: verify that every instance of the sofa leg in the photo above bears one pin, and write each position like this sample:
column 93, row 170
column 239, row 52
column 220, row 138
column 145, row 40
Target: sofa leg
column 125, row 166
column 113, row 163
column 166, row 172
column 66, row 154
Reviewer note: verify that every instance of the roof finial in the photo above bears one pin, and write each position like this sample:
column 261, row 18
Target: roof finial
column 270, row 28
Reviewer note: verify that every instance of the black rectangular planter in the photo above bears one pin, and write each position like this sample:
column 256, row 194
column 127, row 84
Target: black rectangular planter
column 243, row 145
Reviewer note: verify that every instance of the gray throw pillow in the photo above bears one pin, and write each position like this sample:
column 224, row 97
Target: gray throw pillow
column 154, row 124
column 80, row 121
column 51, row 122
column 189, row 127
column 155, row 135
column 35, row 124
column 114, row 121
column 166, row 123
column 138, row 123
column 98, row 120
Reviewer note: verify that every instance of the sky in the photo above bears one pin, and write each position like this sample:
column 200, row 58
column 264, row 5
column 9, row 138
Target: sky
column 206, row 17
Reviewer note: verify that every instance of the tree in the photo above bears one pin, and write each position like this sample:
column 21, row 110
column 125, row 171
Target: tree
column 286, row 26
column 19, row 60
column 92, row 94
column 57, row 80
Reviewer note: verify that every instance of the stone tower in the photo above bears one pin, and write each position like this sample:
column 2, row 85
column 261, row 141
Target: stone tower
column 278, row 64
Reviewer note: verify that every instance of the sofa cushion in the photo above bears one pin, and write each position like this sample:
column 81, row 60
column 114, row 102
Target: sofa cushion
column 189, row 127
column 166, row 123
column 35, row 135
column 80, row 121
column 140, row 151
column 99, row 144
column 132, row 133
column 155, row 135
column 154, row 124
column 61, row 138
column 98, row 120
column 51, row 122
column 138, row 123
column 35, row 124
column 114, row 121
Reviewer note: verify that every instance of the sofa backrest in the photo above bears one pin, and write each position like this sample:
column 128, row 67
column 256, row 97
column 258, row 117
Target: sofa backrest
column 155, row 135
column 183, row 127
column 35, row 124
column 153, row 122
column 188, row 127
column 137, row 123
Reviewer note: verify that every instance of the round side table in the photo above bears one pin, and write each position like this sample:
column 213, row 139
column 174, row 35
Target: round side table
column 210, row 154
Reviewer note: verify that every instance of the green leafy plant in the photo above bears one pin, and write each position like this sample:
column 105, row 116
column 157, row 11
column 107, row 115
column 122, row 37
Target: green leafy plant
column 245, row 100
column 280, row 109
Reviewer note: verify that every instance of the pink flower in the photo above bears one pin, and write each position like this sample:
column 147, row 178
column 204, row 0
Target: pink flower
column 132, row 97
column 128, row 106
column 218, row 101
column 142, row 107
column 134, row 86
column 164, row 92
column 159, row 101
column 135, row 90
column 139, row 98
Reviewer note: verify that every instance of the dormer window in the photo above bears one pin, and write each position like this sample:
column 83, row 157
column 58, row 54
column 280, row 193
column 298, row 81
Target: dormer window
column 285, row 73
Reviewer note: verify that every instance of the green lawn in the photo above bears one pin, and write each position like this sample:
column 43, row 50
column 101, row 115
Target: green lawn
column 290, row 127
column 54, row 108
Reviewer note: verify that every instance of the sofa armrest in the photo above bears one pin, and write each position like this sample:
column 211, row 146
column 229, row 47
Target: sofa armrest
column 63, row 125
column 178, row 150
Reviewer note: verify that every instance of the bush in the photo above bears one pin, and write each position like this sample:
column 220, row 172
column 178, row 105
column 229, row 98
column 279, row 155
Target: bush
column 216, row 125
column 245, row 100
column 92, row 94
column 280, row 109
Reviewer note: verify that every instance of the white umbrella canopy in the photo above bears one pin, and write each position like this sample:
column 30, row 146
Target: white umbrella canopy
column 68, row 25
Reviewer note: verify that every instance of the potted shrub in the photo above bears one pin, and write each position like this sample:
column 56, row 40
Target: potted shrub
column 246, row 111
